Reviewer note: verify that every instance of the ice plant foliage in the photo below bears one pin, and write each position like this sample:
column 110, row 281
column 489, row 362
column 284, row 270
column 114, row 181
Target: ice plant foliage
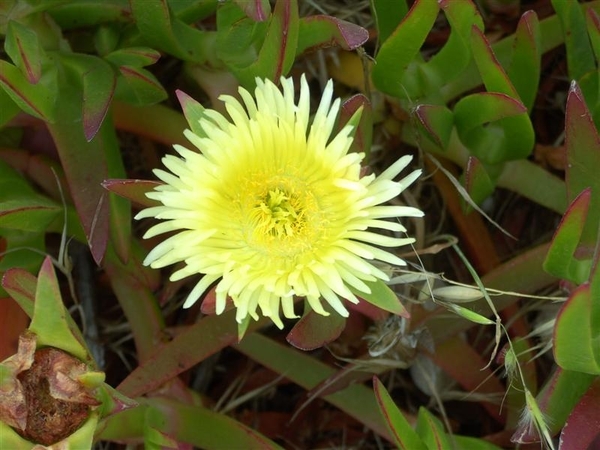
column 273, row 206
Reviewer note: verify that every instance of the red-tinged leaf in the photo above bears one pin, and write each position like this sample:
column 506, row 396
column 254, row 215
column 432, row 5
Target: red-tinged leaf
column 363, row 131
column 326, row 31
column 575, row 346
column 99, row 83
column 524, row 69
column 32, row 213
column 403, row 434
column 561, row 261
column 193, row 112
column 21, row 286
column 141, row 88
column 479, row 109
column 493, row 75
column 431, row 431
column 257, row 10
column 23, row 47
column 477, row 181
column 206, row 337
column 494, row 126
column 133, row 56
column 557, row 399
column 435, row 122
column 583, row 157
column 278, row 51
column 582, row 428
column 134, row 190
column 369, row 310
column 314, row 330
column 51, row 321
column 35, row 99
column 37, row 168
column 402, row 47
column 85, row 168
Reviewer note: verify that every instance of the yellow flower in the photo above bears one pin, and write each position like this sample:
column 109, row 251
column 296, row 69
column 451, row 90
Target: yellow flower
column 273, row 206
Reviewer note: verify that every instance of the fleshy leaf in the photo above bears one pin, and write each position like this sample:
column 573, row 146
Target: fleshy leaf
column 383, row 297
column 165, row 32
column 363, row 122
column 257, row 10
column 431, row 430
column 133, row 56
column 455, row 55
column 23, row 47
column 435, row 122
column 402, row 47
column 574, row 344
column 403, row 434
column 35, row 99
column 278, row 51
column 32, row 213
column 478, row 183
column 99, row 82
column 134, row 190
column 193, row 112
column 583, row 157
column 314, row 330
column 524, row 69
column 490, row 124
column 142, row 88
column 49, row 320
column 582, row 428
column 325, row 31
column 561, row 261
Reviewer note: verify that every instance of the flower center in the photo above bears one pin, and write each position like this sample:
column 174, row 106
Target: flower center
column 279, row 214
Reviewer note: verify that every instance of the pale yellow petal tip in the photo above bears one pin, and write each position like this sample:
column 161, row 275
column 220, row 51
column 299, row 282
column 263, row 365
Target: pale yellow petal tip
column 273, row 204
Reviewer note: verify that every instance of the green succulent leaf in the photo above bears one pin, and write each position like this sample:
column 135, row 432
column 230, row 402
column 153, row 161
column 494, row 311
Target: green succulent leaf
column 133, row 56
column 325, row 31
column 139, row 87
column 35, row 99
column 477, row 181
column 583, row 157
column 525, row 66
column 561, row 261
column 23, row 47
column 49, row 321
column 383, row 297
column 401, row 50
column 163, row 30
column 431, row 431
column 403, row 434
column 494, row 127
column 575, row 342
